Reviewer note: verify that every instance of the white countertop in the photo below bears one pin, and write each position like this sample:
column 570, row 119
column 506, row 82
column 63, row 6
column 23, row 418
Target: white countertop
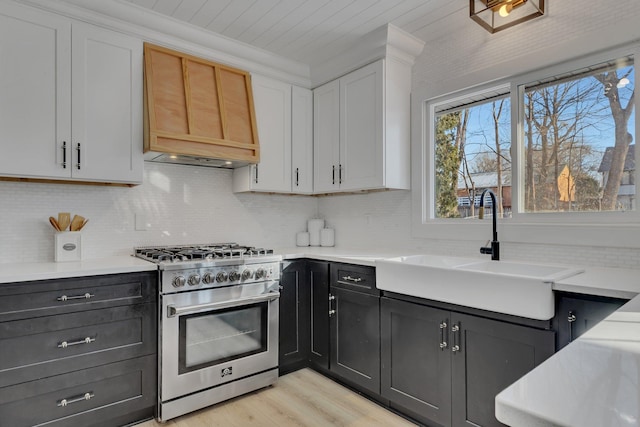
column 333, row 254
column 22, row 272
column 594, row 381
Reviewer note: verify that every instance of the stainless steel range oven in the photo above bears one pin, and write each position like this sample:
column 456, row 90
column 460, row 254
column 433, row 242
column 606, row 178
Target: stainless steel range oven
column 218, row 330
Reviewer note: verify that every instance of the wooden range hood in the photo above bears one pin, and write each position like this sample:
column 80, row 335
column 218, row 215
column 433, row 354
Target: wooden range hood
column 197, row 111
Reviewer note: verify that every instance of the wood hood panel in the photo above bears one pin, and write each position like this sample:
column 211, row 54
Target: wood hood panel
column 198, row 108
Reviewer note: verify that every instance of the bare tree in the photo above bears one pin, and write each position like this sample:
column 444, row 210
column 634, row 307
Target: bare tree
column 496, row 111
column 623, row 139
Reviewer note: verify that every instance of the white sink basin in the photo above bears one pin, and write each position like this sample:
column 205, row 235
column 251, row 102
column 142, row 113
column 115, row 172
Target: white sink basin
column 547, row 273
column 519, row 289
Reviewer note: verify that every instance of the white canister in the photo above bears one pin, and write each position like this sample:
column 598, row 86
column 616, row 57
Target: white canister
column 327, row 237
column 313, row 227
column 302, row 238
column 68, row 246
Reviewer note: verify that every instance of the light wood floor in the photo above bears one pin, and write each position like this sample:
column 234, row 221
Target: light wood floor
column 301, row 398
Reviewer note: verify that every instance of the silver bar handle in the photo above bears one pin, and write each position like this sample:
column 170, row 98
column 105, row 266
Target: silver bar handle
column 443, row 341
column 78, row 149
column 67, row 298
column 571, row 318
column 173, row 311
column 65, row 344
column 455, row 329
column 352, row 279
column 256, row 181
column 75, row 399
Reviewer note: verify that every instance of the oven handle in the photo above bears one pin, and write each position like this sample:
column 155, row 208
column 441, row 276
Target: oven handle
column 173, row 311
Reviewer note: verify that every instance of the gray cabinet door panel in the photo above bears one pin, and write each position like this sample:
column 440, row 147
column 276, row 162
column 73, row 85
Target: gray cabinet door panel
column 492, row 356
column 416, row 371
column 34, row 348
column 294, row 315
column 114, row 390
column 355, row 338
column 319, row 288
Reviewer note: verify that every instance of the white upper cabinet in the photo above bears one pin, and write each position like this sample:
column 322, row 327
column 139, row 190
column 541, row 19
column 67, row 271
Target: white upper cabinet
column 284, row 118
column 302, row 140
column 361, row 129
column 64, row 72
column 35, row 93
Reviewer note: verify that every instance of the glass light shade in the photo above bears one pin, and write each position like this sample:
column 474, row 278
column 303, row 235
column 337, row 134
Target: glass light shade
column 492, row 14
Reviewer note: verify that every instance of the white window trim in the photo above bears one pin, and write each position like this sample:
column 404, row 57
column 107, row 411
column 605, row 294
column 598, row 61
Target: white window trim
column 620, row 229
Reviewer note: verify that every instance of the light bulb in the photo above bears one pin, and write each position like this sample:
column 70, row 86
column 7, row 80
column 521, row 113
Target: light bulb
column 505, row 10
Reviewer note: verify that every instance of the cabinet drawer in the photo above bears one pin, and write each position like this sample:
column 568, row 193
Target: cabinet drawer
column 114, row 390
column 354, row 277
column 52, row 345
column 46, row 297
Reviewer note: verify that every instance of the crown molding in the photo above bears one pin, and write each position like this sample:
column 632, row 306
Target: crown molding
column 387, row 41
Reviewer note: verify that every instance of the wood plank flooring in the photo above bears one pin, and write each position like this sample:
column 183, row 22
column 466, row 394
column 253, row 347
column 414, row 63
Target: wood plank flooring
column 301, row 398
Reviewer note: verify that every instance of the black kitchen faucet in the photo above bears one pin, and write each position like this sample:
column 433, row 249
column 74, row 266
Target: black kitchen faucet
column 494, row 249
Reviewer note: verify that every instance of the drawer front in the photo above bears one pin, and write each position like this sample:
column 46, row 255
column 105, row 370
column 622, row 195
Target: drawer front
column 46, row 297
column 82, row 398
column 51, row 345
column 354, row 277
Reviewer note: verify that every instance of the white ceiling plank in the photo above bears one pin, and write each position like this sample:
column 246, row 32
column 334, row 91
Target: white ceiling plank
column 229, row 14
column 144, row 3
column 166, row 7
column 253, row 34
column 311, row 27
column 250, row 18
column 187, row 9
column 332, row 29
column 300, row 18
column 208, row 12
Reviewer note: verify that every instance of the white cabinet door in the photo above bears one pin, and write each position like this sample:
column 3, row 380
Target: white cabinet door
column 361, row 164
column 272, row 100
column 302, row 140
column 107, row 106
column 326, row 137
column 35, row 95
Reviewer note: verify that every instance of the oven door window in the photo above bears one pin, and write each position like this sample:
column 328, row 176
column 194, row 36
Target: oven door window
column 216, row 337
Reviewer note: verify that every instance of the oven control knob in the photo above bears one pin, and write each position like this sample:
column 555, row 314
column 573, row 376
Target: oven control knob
column 207, row 278
column 221, row 277
column 234, row 276
column 260, row 273
column 178, row 282
column 246, row 274
column 194, row 280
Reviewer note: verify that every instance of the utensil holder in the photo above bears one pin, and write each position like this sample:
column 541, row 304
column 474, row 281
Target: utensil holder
column 68, row 246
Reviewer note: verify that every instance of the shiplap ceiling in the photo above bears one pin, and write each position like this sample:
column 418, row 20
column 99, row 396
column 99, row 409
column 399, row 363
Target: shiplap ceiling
column 307, row 31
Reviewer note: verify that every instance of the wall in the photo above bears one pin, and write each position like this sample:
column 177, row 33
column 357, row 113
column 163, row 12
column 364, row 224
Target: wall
column 182, row 205
column 469, row 56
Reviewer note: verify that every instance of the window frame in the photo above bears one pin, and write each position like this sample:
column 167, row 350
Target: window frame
column 527, row 227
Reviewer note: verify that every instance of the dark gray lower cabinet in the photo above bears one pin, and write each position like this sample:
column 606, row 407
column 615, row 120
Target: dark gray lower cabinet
column 295, row 316
column 416, row 370
column 576, row 314
column 79, row 352
column 355, row 338
column 446, row 367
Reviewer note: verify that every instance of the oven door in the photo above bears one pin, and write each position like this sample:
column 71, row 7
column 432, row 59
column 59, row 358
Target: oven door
column 214, row 336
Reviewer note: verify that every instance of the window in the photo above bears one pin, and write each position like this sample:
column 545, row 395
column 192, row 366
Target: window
column 574, row 142
column 578, row 141
column 472, row 153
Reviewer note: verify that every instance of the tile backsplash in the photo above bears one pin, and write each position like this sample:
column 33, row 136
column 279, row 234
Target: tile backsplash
column 180, row 204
